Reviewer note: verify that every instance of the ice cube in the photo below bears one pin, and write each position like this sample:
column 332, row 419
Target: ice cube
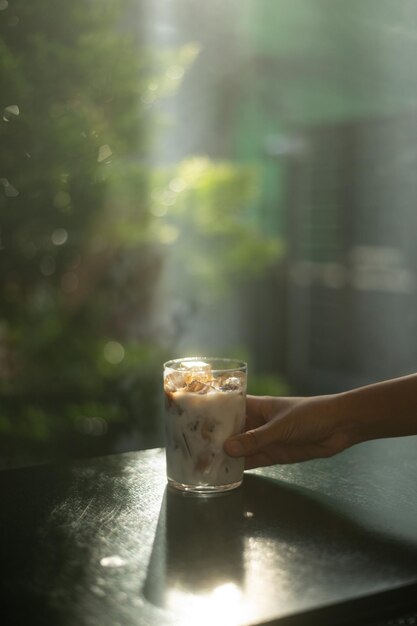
column 197, row 386
column 234, row 381
column 174, row 381
column 200, row 365
column 197, row 370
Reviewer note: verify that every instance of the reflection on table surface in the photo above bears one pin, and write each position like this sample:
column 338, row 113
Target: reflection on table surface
column 268, row 548
column 105, row 542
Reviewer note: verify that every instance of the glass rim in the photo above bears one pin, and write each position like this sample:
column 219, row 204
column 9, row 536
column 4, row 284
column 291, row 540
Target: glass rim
column 228, row 367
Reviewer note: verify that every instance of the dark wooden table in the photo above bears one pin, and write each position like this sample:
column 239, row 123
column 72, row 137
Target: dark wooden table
column 103, row 542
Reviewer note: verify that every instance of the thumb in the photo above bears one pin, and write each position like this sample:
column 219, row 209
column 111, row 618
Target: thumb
column 250, row 442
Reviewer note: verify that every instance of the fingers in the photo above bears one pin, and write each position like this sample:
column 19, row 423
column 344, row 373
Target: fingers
column 255, row 406
column 254, row 412
column 258, row 427
column 248, row 443
column 264, row 427
column 277, row 432
column 260, row 409
column 257, row 411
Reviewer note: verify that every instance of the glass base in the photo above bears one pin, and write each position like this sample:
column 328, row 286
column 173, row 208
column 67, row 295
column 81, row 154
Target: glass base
column 203, row 489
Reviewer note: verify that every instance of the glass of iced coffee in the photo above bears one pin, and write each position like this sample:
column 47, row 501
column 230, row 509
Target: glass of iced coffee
column 205, row 404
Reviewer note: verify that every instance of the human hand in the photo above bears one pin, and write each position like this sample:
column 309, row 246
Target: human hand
column 288, row 430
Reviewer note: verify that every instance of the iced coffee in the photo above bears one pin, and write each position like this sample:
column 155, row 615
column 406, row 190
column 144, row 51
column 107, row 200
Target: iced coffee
column 205, row 404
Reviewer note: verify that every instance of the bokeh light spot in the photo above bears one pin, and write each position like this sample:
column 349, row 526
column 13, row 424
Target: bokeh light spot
column 177, row 185
column 9, row 190
column 104, row 152
column 59, row 236
column 159, row 210
column 175, row 72
column 114, row 352
column 12, row 110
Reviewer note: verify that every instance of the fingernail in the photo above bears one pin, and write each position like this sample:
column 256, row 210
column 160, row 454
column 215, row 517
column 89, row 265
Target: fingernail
column 235, row 448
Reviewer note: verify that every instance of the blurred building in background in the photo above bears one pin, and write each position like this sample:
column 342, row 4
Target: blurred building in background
column 322, row 98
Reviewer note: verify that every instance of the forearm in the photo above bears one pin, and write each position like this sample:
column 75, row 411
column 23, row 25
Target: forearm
column 386, row 409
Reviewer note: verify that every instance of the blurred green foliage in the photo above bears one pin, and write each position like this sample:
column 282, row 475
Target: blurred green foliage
column 86, row 225
column 202, row 209
column 268, row 385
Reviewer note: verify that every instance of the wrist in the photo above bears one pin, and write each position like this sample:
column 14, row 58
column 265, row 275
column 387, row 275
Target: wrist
column 344, row 418
column 357, row 418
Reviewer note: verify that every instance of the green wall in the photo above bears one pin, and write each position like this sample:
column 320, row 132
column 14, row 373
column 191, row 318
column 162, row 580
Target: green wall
column 314, row 63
